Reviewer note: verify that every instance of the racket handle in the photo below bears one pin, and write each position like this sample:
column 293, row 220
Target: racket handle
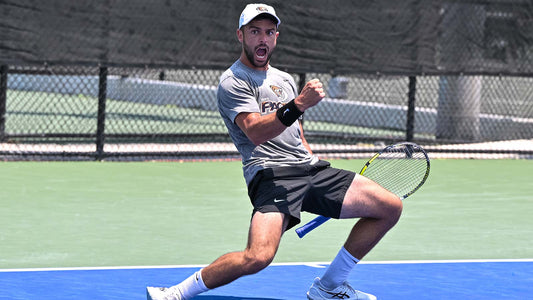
column 301, row 231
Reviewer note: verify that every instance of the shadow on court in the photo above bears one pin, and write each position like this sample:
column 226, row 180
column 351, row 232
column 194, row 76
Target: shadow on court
column 232, row 298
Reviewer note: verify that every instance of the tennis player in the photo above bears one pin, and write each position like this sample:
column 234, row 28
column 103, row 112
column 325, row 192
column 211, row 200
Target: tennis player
column 261, row 109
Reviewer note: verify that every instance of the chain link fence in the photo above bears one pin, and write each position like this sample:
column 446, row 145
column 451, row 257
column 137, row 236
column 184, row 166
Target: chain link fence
column 466, row 91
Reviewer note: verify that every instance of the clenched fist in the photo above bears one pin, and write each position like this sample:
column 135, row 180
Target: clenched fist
column 311, row 94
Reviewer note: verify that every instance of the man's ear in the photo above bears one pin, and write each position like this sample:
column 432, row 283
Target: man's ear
column 240, row 35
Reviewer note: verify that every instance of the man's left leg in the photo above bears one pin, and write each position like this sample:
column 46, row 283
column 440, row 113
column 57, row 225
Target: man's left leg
column 379, row 211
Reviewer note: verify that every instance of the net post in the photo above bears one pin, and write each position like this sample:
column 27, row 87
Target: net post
column 100, row 128
column 3, row 100
column 410, row 125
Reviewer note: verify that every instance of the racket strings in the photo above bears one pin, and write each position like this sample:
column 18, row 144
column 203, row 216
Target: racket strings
column 401, row 170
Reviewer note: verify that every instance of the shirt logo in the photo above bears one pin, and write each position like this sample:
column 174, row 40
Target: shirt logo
column 270, row 106
column 278, row 91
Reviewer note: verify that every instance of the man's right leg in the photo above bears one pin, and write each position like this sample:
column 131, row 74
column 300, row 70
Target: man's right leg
column 264, row 237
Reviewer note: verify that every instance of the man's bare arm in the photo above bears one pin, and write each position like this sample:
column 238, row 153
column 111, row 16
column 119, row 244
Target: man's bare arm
column 260, row 129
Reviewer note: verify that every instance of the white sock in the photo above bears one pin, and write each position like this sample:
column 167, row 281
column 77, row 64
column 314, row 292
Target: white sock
column 339, row 269
column 191, row 286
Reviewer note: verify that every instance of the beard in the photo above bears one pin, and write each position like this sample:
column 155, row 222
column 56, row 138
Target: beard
column 250, row 55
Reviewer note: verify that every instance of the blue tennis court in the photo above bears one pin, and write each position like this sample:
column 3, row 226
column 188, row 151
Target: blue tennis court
column 505, row 279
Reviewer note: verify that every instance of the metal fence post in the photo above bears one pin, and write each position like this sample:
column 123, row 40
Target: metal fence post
column 100, row 128
column 301, row 85
column 411, row 96
column 3, row 101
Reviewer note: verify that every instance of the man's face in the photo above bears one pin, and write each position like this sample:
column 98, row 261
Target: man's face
column 258, row 40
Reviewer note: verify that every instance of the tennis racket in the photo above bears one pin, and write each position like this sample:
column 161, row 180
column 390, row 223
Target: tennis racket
column 400, row 168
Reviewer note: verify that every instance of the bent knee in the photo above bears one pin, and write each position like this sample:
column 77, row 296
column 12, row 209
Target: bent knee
column 394, row 208
column 390, row 208
column 256, row 263
column 367, row 199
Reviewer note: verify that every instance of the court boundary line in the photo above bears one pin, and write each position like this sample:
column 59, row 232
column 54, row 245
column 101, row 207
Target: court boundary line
column 310, row 264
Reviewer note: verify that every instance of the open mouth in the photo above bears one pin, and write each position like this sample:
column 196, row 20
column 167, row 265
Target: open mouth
column 261, row 52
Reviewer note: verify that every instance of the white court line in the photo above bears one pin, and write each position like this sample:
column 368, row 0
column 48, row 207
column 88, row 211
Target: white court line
column 310, row 264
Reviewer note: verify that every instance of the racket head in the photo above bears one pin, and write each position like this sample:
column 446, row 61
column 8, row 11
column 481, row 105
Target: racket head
column 401, row 168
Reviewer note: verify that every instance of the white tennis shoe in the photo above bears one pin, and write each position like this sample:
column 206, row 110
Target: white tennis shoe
column 161, row 293
column 344, row 291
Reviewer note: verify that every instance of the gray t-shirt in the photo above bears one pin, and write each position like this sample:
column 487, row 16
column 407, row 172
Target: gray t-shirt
column 243, row 89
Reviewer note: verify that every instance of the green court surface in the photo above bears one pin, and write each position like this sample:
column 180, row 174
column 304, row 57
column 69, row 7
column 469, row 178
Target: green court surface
column 84, row 214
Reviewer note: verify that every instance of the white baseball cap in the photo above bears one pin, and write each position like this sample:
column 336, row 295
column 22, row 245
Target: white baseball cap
column 253, row 10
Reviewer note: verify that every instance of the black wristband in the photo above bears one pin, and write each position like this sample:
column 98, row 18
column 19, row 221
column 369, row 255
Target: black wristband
column 288, row 113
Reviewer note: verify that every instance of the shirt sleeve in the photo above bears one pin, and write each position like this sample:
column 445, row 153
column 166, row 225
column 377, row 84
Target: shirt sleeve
column 235, row 96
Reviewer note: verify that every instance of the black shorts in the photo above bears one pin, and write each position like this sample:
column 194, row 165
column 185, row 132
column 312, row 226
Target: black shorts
column 318, row 189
